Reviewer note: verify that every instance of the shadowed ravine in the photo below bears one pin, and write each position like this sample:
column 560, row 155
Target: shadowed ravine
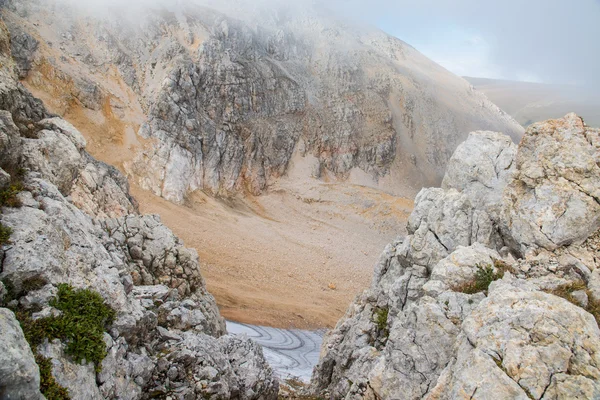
column 292, row 353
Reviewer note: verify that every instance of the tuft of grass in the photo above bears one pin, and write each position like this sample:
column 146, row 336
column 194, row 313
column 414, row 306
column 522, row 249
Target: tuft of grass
column 48, row 385
column 381, row 319
column 566, row 292
column 5, row 232
column 8, row 195
column 484, row 276
column 81, row 325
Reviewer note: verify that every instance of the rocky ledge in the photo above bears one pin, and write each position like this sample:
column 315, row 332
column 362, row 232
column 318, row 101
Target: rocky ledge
column 495, row 293
column 97, row 301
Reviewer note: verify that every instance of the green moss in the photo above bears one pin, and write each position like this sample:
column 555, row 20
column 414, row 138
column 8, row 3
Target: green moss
column 48, row 385
column 81, row 325
column 484, row 276
column 5, row 233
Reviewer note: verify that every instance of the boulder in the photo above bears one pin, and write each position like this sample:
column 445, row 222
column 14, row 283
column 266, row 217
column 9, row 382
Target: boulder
column 554, row 198
column 19, row 373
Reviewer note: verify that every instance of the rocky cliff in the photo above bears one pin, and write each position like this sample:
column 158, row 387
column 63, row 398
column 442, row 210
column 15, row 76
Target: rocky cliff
column 495, row 292
column 225, row 96
column 97, row 301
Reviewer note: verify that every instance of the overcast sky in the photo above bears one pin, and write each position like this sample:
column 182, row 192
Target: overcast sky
column 553, row 41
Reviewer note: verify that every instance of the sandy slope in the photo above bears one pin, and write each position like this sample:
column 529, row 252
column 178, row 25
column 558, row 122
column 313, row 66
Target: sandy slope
column 292, row 258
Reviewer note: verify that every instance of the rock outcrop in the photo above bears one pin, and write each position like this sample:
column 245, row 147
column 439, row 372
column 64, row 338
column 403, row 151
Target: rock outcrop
column 230, row 94
column 69, row 219
column 494, row 293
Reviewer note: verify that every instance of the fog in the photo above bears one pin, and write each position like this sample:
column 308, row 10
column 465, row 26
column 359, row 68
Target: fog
column 550, row 41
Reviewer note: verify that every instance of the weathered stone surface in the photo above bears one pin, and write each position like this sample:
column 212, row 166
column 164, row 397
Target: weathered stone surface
column 528, row 344
column 19, row 374
column 554, row 199
column 481, row 167
column 23, row 47
column 200, row 366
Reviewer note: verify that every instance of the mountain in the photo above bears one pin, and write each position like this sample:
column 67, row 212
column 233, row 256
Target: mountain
column 494, row 292
column 529, row 102
column 224, row 96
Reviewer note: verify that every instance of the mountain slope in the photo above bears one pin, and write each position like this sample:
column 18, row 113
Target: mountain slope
column 530, row 102
column 224, row 99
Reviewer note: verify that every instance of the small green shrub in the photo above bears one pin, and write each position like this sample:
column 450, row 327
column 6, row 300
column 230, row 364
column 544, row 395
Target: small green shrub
column 5, row 233
column 484, row 276
column 8, row 196
column 48, row 385
column 81, row 325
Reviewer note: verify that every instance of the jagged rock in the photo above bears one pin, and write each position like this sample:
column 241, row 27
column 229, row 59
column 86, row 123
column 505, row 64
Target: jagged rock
column 155, row 256
column 19, row 374
column 80, row 379
column 414, row 335
column 23, row 47
column 481, row 167
column 460, row 266
column 202, row 366
column 10, row 141
column 554, row 199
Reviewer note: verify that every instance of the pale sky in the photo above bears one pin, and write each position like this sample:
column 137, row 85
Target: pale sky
column 552, row 41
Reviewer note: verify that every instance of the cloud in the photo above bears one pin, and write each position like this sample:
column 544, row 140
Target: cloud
column 550, row 40
column 554, row 41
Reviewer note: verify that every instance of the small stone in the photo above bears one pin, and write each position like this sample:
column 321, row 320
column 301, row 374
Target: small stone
column 581, row 297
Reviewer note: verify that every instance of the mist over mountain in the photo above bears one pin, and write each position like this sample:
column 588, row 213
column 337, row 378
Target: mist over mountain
column 169, row 165
column 229, row 94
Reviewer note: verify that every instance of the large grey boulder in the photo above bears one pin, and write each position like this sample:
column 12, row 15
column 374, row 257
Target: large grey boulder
column 554, row 199
column 523, row 343
column 481, row 167
column 19, row 373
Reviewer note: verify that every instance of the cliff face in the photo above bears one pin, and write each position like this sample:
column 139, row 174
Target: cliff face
column 524, row 219
column 68, row 219
column 226, row 97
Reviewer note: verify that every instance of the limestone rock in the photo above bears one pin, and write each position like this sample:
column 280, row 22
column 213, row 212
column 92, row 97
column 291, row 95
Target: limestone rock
column 523, row 343
column 19, row 374
column 481, row 167
column 553, row 200
column 79, row 225
column 231, row 93
column 23, row 47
